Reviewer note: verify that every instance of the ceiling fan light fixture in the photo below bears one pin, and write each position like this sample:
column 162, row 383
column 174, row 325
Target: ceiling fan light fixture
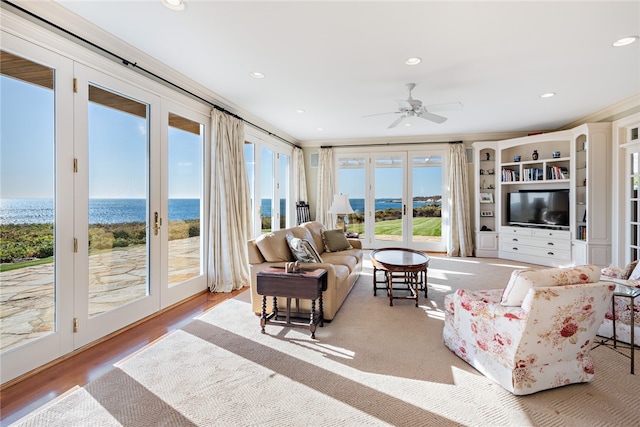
column 548, row 95
column 256, row 75
column 176, row 5
column 625, row 41
column 414, row 60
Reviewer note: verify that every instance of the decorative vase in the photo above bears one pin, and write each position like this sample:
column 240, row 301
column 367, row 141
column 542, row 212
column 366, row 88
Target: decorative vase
column 534, row 156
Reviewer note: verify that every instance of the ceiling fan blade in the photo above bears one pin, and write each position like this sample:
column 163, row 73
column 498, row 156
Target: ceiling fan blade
column 397, row 121
column 424, row 114
column 383, row 114
column 450, row 106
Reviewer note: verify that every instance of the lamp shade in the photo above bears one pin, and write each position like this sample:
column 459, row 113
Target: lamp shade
column 340, row 205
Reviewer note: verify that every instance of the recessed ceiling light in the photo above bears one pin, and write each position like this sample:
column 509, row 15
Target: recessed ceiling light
column 413, row 61
column 548, row 95
column 320, row 129
column 173, row 4
column 625, row 41
column 407, row 124
column 256, row 75
column 300, row 111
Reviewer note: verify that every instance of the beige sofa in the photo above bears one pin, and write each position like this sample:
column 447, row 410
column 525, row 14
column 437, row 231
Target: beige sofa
column 343, row 267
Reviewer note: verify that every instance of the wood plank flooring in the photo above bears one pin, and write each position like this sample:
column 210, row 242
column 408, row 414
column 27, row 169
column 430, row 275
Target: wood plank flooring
column 20, row 397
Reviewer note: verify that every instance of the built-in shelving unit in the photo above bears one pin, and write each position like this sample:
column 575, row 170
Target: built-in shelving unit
column 486, row 181
column 577, row 160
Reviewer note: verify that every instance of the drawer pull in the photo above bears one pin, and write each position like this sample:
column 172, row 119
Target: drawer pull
column 550, row 253
column 550, row 243
column 514, row 239
column 515, row 249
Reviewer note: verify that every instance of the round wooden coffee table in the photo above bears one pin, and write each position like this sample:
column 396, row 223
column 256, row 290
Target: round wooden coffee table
column 405, row 267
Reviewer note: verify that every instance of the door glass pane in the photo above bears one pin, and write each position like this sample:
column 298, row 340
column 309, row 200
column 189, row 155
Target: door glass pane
column 351, row 181
column 250, row 161
column 284, row 190
column 427, row 198
column 388, row 198
column 185, row 206
column 27, row 201
column 266, row 189
column 118, row 152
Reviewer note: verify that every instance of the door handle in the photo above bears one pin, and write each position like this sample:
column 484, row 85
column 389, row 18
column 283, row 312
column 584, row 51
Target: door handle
column 157, row 222
column 404, row 209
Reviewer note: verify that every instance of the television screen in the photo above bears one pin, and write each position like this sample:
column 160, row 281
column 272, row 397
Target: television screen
column 545, row 208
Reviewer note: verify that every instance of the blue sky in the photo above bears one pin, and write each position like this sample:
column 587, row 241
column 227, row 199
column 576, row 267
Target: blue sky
column 427, row 181
column 118, row 149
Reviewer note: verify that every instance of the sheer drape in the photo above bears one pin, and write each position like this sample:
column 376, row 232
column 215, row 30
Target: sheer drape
column 460, row 238
column 229, row 213
column 299, row 177
column 325, row 187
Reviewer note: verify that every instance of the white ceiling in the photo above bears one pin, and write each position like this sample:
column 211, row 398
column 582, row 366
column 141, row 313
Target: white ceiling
column 339, row 61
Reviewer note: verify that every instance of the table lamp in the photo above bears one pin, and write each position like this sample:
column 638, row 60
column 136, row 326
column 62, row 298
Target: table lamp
column 341, row 208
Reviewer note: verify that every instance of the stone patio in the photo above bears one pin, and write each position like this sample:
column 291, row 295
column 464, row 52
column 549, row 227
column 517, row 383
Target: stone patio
column 118, row 277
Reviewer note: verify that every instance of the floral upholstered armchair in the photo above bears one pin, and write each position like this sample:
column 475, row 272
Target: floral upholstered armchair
column 627, row 276
column 534, row 334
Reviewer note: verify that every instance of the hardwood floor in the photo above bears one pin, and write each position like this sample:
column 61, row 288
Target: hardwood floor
column 23, row 396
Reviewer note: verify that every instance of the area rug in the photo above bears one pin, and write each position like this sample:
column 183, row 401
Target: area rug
column 372, row 365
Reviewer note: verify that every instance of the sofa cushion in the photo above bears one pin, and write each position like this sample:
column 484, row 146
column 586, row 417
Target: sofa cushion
column 523, row 280
column 335, row 240
column 274, row 246
column 302, row 249
column 341, row 258
column 315, row 228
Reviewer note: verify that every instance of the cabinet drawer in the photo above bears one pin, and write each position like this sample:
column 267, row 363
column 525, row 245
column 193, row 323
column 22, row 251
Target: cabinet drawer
column 553, row 234
column 535, row 251
column 520, row 231
column 548, row 243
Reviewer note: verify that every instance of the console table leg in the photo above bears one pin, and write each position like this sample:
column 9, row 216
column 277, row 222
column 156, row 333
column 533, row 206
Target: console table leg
column 263, row 318
column 312, row 320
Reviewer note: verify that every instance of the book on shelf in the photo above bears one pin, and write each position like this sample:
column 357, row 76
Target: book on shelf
column 582, row 232
column 557, row 172
column 532, row 174
column 510, row 175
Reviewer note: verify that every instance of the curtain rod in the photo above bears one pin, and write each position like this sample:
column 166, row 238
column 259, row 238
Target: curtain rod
column 385, row 144
column 134, row 65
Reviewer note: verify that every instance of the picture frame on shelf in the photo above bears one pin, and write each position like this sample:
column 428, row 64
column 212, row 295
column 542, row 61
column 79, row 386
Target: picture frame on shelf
column 486, row 213
column 486, row 198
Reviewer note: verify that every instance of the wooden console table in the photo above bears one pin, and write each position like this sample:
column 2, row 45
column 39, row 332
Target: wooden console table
column 308, row 284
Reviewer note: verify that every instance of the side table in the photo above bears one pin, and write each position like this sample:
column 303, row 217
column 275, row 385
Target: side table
column 307, row 284
column 622, row 291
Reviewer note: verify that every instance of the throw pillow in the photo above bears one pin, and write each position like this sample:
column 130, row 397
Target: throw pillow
column 302, row 250
column 335, row 240
column 628, row 271
column 635, row 274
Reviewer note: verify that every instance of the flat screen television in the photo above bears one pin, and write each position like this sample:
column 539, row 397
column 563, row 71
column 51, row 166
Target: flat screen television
column 538, row 208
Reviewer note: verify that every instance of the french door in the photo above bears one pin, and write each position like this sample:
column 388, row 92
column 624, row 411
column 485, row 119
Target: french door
column 119, row 247
column 102, row 205
column 396, row 197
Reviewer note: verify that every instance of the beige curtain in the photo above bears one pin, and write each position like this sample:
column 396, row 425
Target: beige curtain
column 299, row 176
column 460, row 238
column 325, row 187
column 229, row 213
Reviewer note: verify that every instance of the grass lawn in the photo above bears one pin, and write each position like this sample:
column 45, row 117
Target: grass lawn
column 421, row 227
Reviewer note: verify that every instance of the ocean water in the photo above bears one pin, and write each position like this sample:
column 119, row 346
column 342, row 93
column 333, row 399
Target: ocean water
column 101, row 211
column 114, row 211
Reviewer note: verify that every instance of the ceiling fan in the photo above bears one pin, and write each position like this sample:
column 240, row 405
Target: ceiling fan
column 413, row 108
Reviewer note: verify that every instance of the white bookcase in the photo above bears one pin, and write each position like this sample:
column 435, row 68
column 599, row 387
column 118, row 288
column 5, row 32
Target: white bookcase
column 486, row 183
column 577, row 160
